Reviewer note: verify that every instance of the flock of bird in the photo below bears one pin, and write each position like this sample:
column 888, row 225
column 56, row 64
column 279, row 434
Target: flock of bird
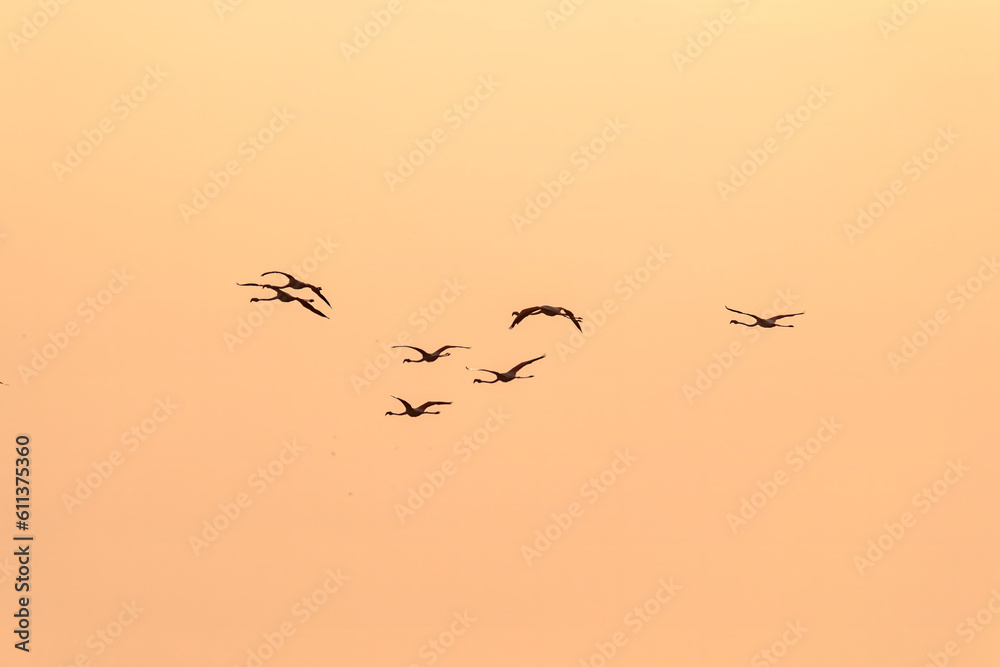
column 295, row 284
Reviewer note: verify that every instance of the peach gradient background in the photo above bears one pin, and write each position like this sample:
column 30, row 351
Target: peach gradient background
column 165, row 335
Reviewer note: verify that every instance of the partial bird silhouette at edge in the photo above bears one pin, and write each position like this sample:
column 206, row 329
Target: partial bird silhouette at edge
column 551, row 311
column 430, row 356
column 509, row 375
column 765, row 323
column 420, row 410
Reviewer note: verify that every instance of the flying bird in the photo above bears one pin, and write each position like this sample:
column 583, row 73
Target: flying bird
column 509, row 375
column 551, row 311
column 282, row 296
column 431, row 356
column 295, row 283
column 767, row 323
column 416, row 412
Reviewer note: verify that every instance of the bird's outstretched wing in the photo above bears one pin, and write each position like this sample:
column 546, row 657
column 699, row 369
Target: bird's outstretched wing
column 411, row 347
column 484, row 370
column 432, row 403
column 523, row 314
column 525, row 363
column 405, row 404
column 448, row 347
column 318, row 292
column 307, row 305
column 290, row 277
column 778, row 317
column 739, row 311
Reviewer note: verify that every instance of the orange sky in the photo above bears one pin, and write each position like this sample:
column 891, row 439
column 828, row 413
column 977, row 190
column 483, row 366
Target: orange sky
column 210, row 475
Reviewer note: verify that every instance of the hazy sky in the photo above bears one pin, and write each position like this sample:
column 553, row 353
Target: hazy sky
column 668, row 488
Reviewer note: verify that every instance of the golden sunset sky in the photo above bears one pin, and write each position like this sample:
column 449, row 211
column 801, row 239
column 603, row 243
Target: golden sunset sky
column 215, row 482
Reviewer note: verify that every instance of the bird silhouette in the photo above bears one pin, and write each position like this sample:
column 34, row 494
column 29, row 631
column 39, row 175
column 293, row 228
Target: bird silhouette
column 509, row 375
column 281, row 295
column 430, row 356
column 295, row 283
column 765, row 323
column 551, row 311
column 420, row 410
